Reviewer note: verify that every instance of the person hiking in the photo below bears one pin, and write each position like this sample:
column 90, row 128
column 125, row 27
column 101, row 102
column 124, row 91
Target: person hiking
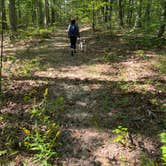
column 73, row 33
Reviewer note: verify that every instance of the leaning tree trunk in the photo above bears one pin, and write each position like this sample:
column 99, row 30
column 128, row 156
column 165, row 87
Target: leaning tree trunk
column 163, row 20
column 12, row 16
column 120, row 13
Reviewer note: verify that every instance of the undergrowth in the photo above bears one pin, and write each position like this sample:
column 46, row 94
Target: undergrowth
column 39, row 135
column 43, row 137
column 33, row 32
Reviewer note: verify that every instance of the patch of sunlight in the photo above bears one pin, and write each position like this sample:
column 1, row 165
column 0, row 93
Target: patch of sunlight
column 82, row 72
column 86, row 28
column 81, row 103
column 92, row 68
column 91, row 87
column 133, row 71
column 60, row 44
column 34, row 83
column 78, row 115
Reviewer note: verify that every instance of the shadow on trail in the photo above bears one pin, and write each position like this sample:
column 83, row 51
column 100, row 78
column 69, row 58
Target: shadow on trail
column 95, row 105
column 109, row 103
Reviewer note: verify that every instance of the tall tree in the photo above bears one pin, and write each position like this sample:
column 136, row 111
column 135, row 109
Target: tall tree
column 12, row 15
column 4, row 22
column 53, row 12
column 47, row 17
column 1, row 52
column 34, row 12
column 147, row 11
column 40, row 13
column 110, row 12
column 19, row 11
column 93, row 16
column 120, row 12
column 130, row 12
column 163, row 20
column 138, row 22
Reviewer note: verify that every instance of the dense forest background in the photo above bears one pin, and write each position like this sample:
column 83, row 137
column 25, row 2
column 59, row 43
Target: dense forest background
column 149, row 15
column 101, row 107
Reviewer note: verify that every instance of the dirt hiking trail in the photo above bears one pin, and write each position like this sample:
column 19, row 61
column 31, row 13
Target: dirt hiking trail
column 109, row 85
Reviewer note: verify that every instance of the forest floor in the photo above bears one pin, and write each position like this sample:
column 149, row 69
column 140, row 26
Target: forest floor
column 116, row 82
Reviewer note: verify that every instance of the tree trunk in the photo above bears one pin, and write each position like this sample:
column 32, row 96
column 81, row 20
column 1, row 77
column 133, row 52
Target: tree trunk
column 138, row 22
column 147, row 12
column 40, row 13
column 53, row 12
column 12, row 16
column 130, row 13
column 110, row 12
column 34, row 12
column 4, row 20
column 106, row 11
column 46, row 19
column 1, row 52
column 103, row 14
column 19, row 12
column 120, row 13
column 93, row 17
column 163, row 20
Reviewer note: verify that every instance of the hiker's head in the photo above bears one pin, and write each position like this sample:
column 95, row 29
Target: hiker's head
column 73, row 21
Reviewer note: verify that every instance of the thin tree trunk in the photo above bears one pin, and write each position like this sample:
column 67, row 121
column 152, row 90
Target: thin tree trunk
column 147, row 12
column 110, row 12
column 47, row 20
column 34, row 12
column 93, row 17
column 53, row 12
column 12, row 16
column 19, row 12
column 120, row 13
column 163, row 20
column 130, row 13
column 101, row 15
column 2, row 24
column 106, row 11
column 40, row 13
column 138, row 22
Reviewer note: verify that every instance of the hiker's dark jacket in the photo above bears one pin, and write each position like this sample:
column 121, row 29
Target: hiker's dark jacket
column 76, row 34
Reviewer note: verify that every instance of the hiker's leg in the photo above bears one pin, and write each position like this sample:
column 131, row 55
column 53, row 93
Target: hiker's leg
column 71, row 42
column 74, row 42
column 72, row 45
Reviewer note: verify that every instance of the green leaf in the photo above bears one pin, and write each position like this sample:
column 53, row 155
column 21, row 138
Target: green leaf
column 3, row 152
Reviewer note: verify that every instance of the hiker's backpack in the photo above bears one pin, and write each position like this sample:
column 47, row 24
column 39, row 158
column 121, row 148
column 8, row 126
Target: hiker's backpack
column 72, row 30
